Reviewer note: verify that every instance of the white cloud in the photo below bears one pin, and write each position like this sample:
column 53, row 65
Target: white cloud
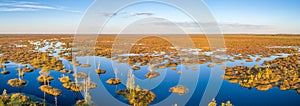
column 126, row 14
column 108, row 14
column 10, row 6
column 36, row 6
column 142, row 13
column 16, row 9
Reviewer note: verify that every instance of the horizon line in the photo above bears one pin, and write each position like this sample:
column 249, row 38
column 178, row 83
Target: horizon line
column 35, row 33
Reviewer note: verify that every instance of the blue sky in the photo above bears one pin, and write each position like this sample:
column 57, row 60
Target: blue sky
column 233, row 16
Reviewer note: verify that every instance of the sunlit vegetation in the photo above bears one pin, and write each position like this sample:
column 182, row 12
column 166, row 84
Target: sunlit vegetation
column 16, row 82
column 65, row 79
column 152, row 75
column 5, row 72
column 17, row 99
column 179, row 72
column 85, row 65
column 66, row 71
column 3, row 61
column 137, row 96
column 210, row 65
column 113, row 81
column 194, row 68
column 99, row 71
column 80, row 75
column 179, row 89
column 89, row 85
column 82, row 103
column 73, row 86
column 45, row 78
column 136, row 67
column 50, row 90
column 281, row 72
column 214, row 103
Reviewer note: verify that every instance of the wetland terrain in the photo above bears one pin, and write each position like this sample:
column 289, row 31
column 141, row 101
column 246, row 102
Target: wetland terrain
column 46, row 69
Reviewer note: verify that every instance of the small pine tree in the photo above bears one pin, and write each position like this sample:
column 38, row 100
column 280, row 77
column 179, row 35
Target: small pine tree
column 223, row 104
column 45, row 69
column 4, row 92
column 35, row 61
column 228, row 103
column 44, row 56
column 256, row 66
column 137, row 88
column 213, row 102
column 53, row 60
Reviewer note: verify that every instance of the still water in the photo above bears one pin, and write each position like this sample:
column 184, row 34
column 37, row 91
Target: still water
column 195, row 81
